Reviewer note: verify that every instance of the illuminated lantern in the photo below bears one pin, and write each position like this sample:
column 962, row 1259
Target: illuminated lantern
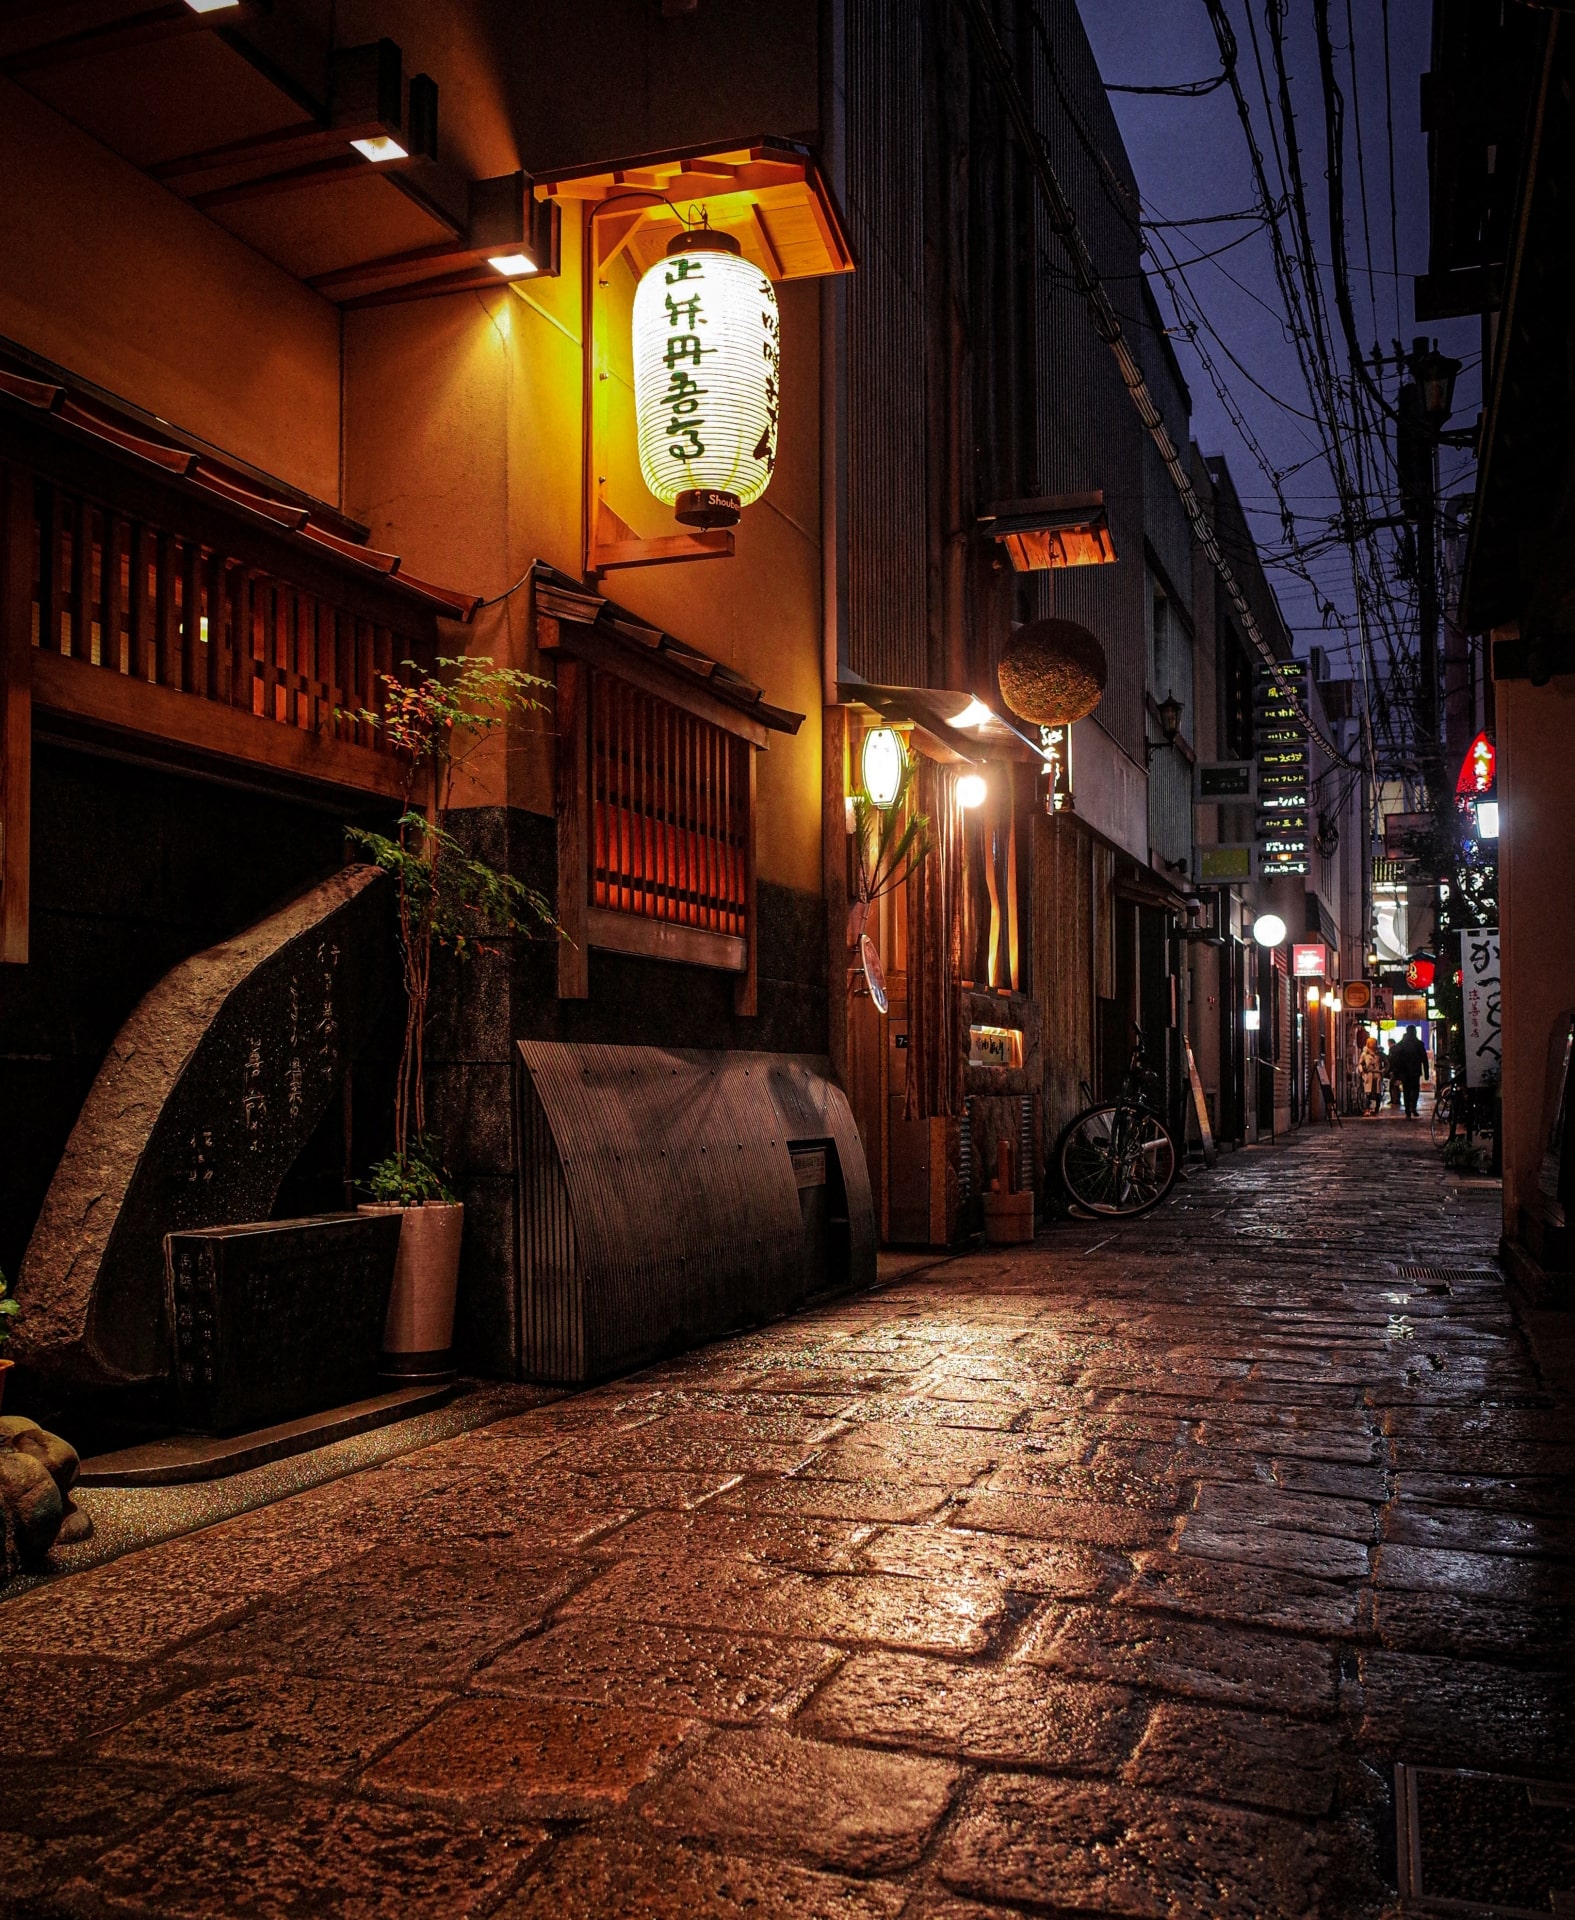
column 883, row 764
column 1419, row 971
column 1479, row 768
column 1052, row 672
column 1268, row 929
column 707, row 355
column 972, row 790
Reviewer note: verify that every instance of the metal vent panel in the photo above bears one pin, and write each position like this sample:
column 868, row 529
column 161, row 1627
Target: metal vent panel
column 673, row 1215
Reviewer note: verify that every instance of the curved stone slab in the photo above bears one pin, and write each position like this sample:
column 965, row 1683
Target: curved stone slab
column 204, row 1102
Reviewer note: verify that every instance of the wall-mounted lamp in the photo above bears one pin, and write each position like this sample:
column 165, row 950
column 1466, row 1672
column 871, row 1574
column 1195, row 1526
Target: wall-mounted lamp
column 1168, row 713
column 212, row 6
column 1268, row 929
column 1250, row 1019
column 1314, row 994
column 1487, row 819
column 975, row 714
column 1335, row 1003
column 1062, row 530
column 972, row 790
column 882, row 764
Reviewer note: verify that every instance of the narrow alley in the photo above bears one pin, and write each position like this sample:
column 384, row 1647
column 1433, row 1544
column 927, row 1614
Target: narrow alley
column 1110, row 1576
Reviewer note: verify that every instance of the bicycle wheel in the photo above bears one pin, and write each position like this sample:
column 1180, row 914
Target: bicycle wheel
column 1117, row 1159
column 1443, row 1110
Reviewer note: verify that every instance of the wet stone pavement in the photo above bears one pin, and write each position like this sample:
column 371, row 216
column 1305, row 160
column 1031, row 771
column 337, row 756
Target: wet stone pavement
column 1105, row 1577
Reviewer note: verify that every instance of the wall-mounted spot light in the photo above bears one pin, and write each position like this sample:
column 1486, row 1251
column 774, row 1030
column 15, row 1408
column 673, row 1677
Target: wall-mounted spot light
column 1335, row 1003
column 883, row 763
column 972, row 790
column 1250, row 1020
column 975, row 714
column 1487, row 819
column 513, row 266
column 1314, row 994
column 381, row 147
column 1268, row 929
column 212, row 6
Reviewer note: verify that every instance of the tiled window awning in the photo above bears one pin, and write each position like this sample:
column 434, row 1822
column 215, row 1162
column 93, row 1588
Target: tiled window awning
column 84, row 418
column 567, row 613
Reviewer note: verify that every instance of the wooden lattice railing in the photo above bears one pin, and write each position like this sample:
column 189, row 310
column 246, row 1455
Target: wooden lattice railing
column 135, row 611
column 169, row 610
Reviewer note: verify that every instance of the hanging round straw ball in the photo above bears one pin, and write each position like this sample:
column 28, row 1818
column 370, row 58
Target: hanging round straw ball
column 1052, row 673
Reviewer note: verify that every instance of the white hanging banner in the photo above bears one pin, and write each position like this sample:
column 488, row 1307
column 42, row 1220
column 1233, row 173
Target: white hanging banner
column 1479, row 988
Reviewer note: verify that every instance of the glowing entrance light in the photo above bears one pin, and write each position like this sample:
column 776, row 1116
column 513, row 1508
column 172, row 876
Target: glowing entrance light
column 707, row 365
column 883, row 764
column 975, row 714
column 972, row 790
column 513, row 266
column 1268, row 929
column 1487, row 819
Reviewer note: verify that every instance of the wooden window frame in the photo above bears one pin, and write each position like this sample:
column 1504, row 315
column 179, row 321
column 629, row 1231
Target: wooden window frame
column 586, row 925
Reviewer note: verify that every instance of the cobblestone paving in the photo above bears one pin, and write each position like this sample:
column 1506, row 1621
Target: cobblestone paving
column 1107, row 1577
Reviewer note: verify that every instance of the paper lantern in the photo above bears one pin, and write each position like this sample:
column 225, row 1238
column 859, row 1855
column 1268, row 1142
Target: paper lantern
column 1052, row 673
column 707, row 355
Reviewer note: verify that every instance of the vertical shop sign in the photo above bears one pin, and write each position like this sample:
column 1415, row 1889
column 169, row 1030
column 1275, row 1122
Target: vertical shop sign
column 1479, row 986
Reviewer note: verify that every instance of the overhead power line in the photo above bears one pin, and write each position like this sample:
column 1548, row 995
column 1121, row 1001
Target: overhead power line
column 1107, row 325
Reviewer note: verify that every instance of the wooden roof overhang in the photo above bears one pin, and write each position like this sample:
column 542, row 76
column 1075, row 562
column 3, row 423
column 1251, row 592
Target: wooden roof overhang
column 769, row 194
column 68, row 433
column 250, row 115
column 932, row 711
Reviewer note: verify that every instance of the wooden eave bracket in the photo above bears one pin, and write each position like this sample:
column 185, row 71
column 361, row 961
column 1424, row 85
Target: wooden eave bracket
column 615, row 544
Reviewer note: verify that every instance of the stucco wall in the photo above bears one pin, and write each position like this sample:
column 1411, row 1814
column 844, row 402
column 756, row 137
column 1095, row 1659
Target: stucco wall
column 115, row 279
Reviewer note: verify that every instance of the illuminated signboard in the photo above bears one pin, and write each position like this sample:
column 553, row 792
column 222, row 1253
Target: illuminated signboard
column 1479, row 768
column 1222, row 866
column 1226, row 780
column 995, row 1047
column 1310, row 960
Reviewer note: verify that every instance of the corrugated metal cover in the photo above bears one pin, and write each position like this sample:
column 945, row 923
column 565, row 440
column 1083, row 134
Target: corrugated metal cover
column 658, row 1204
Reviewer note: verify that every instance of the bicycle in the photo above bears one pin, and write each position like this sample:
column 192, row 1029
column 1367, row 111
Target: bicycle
column 1118, row 1156
column 1448, row 1112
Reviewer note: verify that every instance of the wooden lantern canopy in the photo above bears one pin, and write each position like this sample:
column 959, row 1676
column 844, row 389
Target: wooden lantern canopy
column 1052, row 673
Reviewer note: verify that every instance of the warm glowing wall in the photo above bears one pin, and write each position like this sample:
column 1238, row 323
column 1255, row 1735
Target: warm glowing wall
column 111, row 276
column 463, row 453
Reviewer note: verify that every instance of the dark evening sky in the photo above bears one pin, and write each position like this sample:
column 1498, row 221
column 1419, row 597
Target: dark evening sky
column 1191, row 159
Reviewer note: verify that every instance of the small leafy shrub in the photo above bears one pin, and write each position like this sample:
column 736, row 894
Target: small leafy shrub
column 9, row 1310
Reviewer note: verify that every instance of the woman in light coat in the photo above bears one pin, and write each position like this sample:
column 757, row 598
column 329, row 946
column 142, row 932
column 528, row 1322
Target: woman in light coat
column 1371, row 1068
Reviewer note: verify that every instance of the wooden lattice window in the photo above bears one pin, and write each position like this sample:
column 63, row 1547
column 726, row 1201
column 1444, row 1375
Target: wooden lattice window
column 670, row 812
column 656, row 816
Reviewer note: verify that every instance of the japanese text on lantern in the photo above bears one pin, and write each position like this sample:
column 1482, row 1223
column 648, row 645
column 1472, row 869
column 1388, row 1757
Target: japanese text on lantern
column 684, row 392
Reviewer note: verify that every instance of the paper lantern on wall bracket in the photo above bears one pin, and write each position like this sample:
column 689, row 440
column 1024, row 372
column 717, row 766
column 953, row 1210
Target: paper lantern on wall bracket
column 1052, row 672
column 707, row 361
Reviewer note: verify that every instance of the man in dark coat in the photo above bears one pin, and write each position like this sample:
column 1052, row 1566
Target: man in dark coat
column 1409, row 1063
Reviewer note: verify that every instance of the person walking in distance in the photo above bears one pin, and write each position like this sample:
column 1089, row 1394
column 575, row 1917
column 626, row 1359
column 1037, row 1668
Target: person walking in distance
column 1409, row 1064
column 1370, row 1066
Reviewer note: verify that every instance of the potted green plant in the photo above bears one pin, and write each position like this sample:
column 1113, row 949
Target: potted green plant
column 446, row 898
column 9, row 1309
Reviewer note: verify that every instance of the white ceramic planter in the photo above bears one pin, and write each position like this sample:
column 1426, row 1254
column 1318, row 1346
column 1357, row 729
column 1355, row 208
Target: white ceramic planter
column 419, row 1333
